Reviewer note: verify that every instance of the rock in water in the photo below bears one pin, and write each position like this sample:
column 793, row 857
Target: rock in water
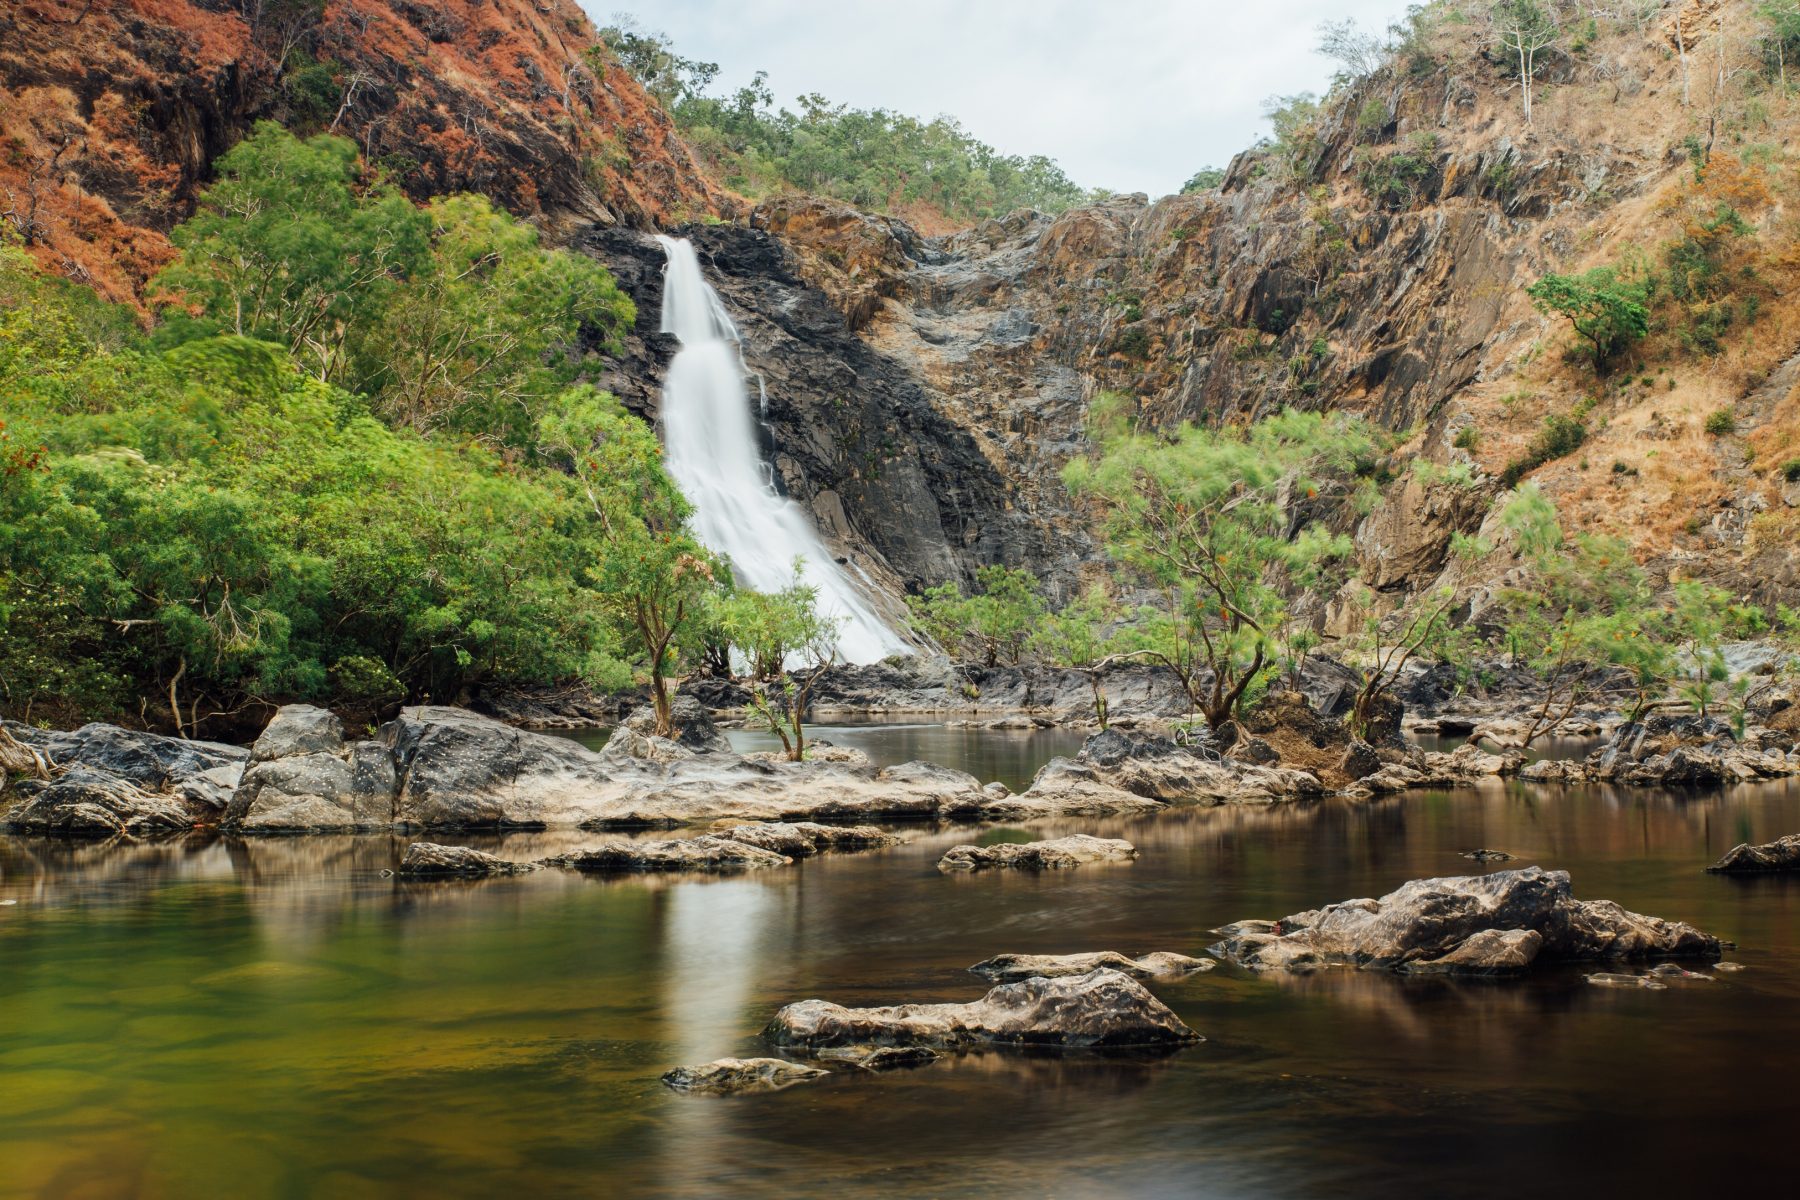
column 1101, row 1008
column 1008, row 968
column 803, row 839
column 1782, row 854
column 1501, row 922
column 1038, row 856
column 84, row 800
column 727, row 1076
column 429, row 860
column 704, row 853
column 303, row 776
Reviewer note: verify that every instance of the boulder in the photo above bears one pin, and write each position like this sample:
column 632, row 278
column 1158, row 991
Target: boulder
column 1431, row 922
column 151, row 761
column 628, row 743
column 461, row 770
column 1360, row 760
column 704, row 853
column 298, row 729
column 727, row 1076
column 430, row 860
column 803, row 839
column 1060, row 853
column 1099, row 1009
column 1119, row 773
column 87, row 800
column 1008, row 968
column 691, row 724
column 302, row 778
column 1782, row 854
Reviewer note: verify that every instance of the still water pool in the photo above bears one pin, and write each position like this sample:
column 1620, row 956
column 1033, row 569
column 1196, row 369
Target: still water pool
column 276, row 1018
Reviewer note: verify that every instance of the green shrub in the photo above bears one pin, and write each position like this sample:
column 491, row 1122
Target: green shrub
column 1560, row 436
column 1790, row 470
column 1721, row 423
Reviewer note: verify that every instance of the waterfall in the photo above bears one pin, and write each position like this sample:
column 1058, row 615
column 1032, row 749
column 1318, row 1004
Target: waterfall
column 710, row 448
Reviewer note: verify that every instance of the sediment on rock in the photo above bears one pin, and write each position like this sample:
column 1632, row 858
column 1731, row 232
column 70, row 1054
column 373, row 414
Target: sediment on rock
column 1499, row 923
column 1058, row 854
column 728, row 1076
column 1010, row 968
column 1099, row 1009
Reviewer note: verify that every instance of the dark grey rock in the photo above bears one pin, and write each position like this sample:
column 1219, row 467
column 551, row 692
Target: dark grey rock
column 85, row 800
column 428, row 860
column 1782, row 854
column 299, row 729
column 705, row 853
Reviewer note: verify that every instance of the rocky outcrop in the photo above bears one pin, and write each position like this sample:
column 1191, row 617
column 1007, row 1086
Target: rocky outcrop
column 691, row 726
column 1099, row 1009
column 426, row 860
column 108, row 780
column 1483, row 924
column 1117, row 773
column 83, row 800
column 1058, row 854
column 304, row 776
column 729, row 1076
column 1782, row 854
column 1466, row 766
column 115, row 110
column 1010, row 968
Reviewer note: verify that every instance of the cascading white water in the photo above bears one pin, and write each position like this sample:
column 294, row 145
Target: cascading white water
column 710, row 448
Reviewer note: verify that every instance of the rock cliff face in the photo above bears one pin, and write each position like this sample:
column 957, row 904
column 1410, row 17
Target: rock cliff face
column 112, row 111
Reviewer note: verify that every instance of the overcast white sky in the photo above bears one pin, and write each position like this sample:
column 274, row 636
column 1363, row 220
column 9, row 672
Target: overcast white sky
column 1132, row 95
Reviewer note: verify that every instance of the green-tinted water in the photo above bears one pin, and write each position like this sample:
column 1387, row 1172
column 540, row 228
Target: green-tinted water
column 275, row 1018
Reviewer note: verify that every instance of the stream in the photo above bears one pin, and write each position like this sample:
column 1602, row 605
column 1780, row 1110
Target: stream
column 274, row 1017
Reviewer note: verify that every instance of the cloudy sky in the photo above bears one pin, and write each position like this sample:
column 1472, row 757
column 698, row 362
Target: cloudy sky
column 1132, row 95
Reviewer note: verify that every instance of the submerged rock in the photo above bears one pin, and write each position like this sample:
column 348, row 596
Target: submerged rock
column 1099, row 1009
column 428, row 859
column 1484, row 855
column 803, row 839
column 881, row 1058
column 1477, row 923
column 704, row 853
column 1782, row 854
column 727, row 1076
column 1615, row 979
column 1009, row 968
column 1039, row 856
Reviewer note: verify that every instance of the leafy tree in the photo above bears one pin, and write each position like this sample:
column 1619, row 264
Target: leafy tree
column 1084, row 635
column 1204, row 180
column 1605, row 308
column 650, row 572
column 789, row 645
column 1388, row 645
column 285, row 249
column 1219, row 523
column 996, row 622
column 1357, row 52
column 488, row 327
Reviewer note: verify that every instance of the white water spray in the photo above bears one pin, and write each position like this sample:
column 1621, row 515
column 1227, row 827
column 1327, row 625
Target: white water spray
column 710, row 447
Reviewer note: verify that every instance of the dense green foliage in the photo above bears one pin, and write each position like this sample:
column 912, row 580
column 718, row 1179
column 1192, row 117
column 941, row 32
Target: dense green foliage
column 996, row 624
column 873, row 158
column 350, row 464
column 1608, row 310
column 1217, row 523
column 788, row 644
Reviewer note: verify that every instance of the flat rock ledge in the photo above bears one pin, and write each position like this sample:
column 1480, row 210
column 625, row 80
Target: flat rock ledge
column 704, row 853
column 1496, row 924
column 1097, row 1010
column 428, row 860
column 1057, row 854
column 803, row 839
column 1782, row 854
column 1010, row 968
column 731, row 1076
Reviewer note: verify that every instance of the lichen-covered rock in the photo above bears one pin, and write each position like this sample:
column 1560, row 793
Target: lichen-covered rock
column 803, row 839
column 151, row 761
column 728, row 1076
column 1433, row 921
column 1008, row 968
column 1782, row 854
column 704, row 853
column 1057, row 854
column 691, row 726
column 1098, row 1009
column 429, row 860
column 304, row 778
column 84, row 800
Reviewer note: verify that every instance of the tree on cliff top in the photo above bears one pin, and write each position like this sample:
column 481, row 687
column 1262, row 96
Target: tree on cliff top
column 1220, row 522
